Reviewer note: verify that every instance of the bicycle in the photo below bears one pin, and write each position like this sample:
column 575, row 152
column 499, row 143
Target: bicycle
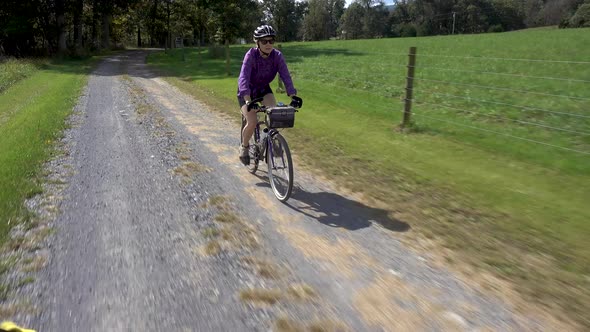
column 269, row 145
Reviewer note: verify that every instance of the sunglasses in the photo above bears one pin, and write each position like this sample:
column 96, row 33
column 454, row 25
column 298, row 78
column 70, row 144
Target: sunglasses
column 267, row 41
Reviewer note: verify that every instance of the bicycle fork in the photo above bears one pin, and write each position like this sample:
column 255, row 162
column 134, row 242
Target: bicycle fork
column 269, row 149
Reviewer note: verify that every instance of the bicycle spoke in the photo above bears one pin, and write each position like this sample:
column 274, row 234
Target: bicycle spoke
column 280, row 168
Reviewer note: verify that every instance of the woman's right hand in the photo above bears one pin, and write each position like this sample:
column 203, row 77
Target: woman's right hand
column 296, row 102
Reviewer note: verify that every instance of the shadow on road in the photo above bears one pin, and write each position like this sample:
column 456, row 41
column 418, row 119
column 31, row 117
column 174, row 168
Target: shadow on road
column 334, row 210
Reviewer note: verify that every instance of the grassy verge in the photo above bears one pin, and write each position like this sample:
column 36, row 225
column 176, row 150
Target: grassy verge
column 509, row 206
column 12, row 71
column 33, row 109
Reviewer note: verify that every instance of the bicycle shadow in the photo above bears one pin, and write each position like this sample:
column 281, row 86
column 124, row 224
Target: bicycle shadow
column 334, row 210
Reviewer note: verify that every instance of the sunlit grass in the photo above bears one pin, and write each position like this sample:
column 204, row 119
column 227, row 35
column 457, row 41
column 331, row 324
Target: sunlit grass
column 13, row 70
column 468, row 173
column 32, row 118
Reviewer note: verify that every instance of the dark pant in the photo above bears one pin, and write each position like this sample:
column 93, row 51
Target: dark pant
column 256, row 94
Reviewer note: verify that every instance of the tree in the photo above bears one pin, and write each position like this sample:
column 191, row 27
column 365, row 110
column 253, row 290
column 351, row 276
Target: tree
column 284, row 16
column 232, row 19
column 197, row 16
column 351, row 24
column 335, row 10
column 365, row 19
column 78, row 12
column 314, row 23
column 508, row 15
column 60, row 23
column 375, row 23
column 19, row 24
column 581, row 18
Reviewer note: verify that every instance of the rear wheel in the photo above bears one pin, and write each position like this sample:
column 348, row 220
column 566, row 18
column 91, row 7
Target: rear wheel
column 253, row 152
column 280, row 167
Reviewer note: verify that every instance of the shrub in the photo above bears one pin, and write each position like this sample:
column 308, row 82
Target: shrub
column 581, row 18
column 496, row 28
column 406, row 30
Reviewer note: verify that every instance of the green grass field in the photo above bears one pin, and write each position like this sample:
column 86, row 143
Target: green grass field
column 496, row 165
column 36, row 98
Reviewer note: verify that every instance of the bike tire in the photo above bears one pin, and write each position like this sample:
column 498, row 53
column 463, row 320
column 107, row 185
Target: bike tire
column 280, row 167
column 254, row 153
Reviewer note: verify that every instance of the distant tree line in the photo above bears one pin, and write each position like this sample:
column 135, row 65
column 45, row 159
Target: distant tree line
column 77, row 27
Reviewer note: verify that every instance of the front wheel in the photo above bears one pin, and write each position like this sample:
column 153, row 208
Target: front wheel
column 280, row 167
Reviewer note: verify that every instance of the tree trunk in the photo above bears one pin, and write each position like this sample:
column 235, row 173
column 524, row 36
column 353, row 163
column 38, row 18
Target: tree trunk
column 95, row 16
column 150, row 24
column 227, row 57
column 169, row 33
column 199, row 51
column 78, row 24
column 61, row 43
column 106, row 36
column 61, row 31
column 138, row 36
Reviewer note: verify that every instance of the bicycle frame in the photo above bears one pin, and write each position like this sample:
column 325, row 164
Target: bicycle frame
column 265, row 151
column 280, row 171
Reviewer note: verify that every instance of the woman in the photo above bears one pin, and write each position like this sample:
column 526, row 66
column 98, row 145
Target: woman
column 260, row 66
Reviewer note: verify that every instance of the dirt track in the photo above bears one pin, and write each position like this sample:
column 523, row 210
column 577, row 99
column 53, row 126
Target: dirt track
column 160, row 227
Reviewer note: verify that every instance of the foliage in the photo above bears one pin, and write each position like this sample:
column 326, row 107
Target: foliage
column 286, row 16
column 38, row 27
column 314, row 23
column 352, row 22
column 582, row 17
column 232, row 18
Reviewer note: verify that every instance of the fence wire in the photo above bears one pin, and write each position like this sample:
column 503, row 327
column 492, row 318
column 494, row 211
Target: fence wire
column 353, row 89
column 505, row 118
column 502, row 134
column 503, row 74
column 370, row 106
column 502, row 89
column 356, row 74
column 330, row 78
column 370, row 65
column 505, row 59
column 519, row 107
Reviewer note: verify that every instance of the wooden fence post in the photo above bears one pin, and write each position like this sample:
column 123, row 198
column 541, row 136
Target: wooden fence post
column 409, row 87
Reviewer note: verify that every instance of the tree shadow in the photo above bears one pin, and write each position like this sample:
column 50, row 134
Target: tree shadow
column 189, row 63
column 334, row 210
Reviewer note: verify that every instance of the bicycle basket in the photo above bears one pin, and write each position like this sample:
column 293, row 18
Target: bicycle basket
column 280, row 117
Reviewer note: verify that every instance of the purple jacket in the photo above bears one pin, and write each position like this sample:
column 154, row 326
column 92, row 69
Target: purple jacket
column 258, row 72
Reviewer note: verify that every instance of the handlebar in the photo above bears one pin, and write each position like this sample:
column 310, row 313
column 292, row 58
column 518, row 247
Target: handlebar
column 296, row 103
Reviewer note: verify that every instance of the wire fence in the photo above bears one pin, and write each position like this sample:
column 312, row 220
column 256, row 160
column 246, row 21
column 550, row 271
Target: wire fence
column 525, row 99
column 571, row 62
column 499, row 117
column 537, row 106
column 488, row 87
column 523, row 108
column 506, row 74
column 499, row 133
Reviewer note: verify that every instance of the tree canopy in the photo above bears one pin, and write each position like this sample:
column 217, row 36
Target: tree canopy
column 48, row 27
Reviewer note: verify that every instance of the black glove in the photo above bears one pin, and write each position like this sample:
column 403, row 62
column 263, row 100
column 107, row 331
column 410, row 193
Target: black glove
column 296, row 102
column 252, row 106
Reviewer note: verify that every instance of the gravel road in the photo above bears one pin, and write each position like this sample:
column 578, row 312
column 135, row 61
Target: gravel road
column 158, row 227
